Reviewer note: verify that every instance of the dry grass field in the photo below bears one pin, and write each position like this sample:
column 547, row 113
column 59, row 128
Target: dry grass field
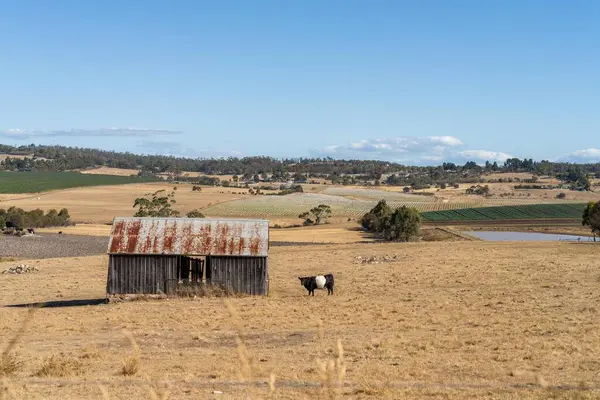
column 443, row 321
column 111, row 171
column 100, row 204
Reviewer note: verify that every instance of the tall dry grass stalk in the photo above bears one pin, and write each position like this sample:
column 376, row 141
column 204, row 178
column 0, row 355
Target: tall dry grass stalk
column 131, row 363
column 321, row 335
column 333, row 371
column 248, row 365
column 154, row 394
column 104, row 392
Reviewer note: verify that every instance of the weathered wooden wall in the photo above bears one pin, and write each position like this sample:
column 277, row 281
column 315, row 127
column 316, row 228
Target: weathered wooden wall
column 157, row 274
column 132, row 274
column 247, row 275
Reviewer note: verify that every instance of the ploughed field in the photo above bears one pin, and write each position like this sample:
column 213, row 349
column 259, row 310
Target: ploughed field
column 439, row 320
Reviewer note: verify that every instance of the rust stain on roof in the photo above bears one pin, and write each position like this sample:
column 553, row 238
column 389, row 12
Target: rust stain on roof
column 189, row 236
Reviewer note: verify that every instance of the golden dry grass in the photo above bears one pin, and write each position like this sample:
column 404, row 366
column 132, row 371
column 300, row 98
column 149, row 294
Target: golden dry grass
column 100, row 204
column 111, row 171
column 445, row 321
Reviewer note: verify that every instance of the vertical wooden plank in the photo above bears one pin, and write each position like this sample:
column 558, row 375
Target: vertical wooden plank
column 249, row 275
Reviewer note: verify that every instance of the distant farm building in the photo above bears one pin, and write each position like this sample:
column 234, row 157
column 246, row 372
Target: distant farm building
column 163, row 255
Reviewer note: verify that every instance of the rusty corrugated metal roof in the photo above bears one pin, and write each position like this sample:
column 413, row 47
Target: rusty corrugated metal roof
column 189, row 236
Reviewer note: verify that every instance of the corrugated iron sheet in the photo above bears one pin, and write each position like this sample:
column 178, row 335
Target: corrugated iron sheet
column 189, row 236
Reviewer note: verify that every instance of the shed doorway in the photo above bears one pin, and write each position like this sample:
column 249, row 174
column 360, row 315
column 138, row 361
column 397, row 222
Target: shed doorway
column 190, row 271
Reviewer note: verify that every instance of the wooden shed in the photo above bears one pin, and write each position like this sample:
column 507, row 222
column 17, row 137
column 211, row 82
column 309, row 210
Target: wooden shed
column 160, row 255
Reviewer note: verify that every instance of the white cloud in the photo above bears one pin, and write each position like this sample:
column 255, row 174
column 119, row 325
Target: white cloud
column 447, row 140
column 175, row 149
column 590, row 155
column 400, row 149
column 22, row 134
column 427, row 150
column 484, row 155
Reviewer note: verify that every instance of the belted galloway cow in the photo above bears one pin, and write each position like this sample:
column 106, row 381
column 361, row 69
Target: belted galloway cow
column 317, row 282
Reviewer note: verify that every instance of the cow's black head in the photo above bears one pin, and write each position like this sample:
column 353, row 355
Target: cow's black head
column 303, row 280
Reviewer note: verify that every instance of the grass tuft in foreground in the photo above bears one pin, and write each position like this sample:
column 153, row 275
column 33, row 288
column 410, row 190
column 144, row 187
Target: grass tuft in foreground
column 60, row 366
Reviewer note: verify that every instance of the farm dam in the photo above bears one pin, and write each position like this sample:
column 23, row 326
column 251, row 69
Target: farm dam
column 463, row 319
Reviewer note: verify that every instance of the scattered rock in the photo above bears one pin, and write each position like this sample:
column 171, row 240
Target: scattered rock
column 376, row 259
column 21, row 269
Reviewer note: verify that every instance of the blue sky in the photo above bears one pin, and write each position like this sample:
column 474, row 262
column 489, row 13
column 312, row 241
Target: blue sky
column 418, row 82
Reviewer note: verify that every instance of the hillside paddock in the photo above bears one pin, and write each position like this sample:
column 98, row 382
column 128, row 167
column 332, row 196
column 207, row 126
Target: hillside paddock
column 443, row 321
column 100, row 204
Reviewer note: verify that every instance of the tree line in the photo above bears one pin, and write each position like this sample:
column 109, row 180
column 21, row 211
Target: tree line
column 263, row 168
column 18, row 218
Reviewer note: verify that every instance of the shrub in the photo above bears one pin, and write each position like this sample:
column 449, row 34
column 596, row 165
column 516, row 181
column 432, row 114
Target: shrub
column 479, row 190
column 15, row 221
column 561, row 195
column 292, row 189
column 371, row 221
column 195, row 214
column 402, row 225
column 591, row 217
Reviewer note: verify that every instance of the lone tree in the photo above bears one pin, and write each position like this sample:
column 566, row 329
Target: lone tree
column 400, row 225
column 316, row 215
column 591, row 217
column 157, row 204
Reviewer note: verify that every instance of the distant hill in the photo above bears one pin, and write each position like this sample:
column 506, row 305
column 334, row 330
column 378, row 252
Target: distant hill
column 42, row 158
